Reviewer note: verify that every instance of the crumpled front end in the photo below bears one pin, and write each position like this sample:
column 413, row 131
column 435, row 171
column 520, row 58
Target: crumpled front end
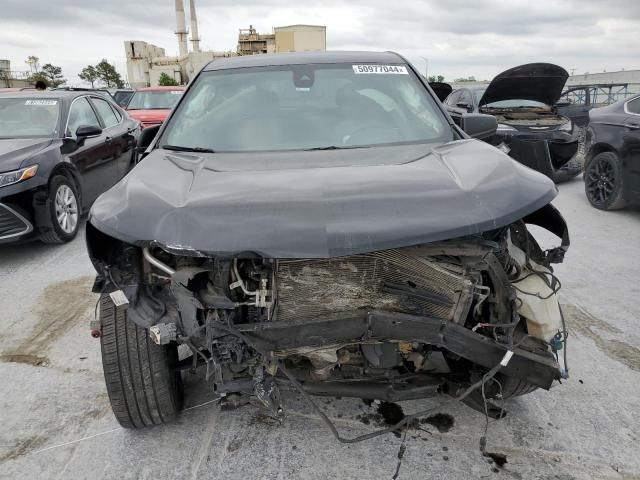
column 394, row 324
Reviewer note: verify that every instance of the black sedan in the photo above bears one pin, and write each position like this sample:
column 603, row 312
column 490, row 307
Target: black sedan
column 59, row 150
column 530, row 129
column 612, row 167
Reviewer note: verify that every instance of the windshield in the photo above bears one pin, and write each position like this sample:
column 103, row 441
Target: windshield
column 303, row 107
column 511, row 103
column 28, row 117
column 149, row 100
column 122, row 98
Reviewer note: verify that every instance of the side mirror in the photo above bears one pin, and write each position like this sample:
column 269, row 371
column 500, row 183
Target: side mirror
column 479, row 125
column 146, row 137
column 86, row 131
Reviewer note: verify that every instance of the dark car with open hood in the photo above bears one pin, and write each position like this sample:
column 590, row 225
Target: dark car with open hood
column 530, row 129
column 59, row 150
column 318, row 222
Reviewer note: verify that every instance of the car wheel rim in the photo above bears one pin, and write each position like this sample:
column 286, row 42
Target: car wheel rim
column 601, row 180
column 66, row 209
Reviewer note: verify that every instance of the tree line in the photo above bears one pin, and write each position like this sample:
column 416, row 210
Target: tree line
column 103, row 74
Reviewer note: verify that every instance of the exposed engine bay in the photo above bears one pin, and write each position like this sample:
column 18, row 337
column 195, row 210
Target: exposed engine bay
column 393, row 325
column 535, row 116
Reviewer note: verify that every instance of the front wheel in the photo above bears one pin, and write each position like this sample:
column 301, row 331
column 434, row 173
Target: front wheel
column 143, row 384
column 63, row 209
column 603, row 182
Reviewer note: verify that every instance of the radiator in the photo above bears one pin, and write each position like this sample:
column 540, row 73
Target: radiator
column 392, row 280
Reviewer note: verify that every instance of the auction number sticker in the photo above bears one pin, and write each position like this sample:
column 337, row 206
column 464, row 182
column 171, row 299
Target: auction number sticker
column 381, row 69
column 41, row 102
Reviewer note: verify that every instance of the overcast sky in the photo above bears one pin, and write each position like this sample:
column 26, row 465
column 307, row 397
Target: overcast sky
column 459, row 37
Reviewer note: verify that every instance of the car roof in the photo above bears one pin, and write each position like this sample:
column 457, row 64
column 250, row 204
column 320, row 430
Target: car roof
column 54, row 94
column 159, row 89
column 303, row 58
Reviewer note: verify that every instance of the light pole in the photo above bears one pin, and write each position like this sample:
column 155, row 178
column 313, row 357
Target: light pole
column 426, row 66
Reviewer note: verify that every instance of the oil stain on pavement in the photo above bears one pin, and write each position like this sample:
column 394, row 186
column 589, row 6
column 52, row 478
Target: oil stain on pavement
column 61, row 306
column 582, row 322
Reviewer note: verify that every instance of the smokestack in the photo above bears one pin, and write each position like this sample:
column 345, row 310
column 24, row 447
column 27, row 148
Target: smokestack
column 195, row 39
column 181, row 28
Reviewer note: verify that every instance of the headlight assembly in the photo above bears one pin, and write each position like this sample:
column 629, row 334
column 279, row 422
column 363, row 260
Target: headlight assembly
column 566, row 127
column 9, row 178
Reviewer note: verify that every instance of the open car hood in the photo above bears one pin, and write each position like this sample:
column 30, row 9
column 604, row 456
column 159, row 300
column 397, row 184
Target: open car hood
column 541, row 82
column 318, row 204
column 441, row 89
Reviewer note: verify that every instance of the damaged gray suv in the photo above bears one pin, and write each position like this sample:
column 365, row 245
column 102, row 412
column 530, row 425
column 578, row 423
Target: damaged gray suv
column 318, row 222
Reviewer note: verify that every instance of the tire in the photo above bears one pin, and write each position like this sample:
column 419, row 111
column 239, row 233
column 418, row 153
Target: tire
column 514, row 386
column 604, row 183
column 63, row 202
column 143, row 385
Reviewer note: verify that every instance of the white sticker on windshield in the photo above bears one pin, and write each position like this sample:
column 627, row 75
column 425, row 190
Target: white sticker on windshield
column 41, row 102
column 176, row 92
column 383, row 69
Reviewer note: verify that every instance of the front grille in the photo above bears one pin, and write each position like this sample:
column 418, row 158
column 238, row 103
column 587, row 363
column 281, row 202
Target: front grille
column 12, row 224
column 392, row 280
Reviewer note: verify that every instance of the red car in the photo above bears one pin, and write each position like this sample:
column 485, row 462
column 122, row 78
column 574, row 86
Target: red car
column 151, row 106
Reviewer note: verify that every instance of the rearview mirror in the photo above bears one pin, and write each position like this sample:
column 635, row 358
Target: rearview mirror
column 146, row 137
column 478, row 125
column 86, row 131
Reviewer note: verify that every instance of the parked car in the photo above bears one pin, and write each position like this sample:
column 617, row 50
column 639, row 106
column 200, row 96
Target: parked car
column 318, row 220
column 121, row 96
column 151, row 105
column 59, row 150
column 529, row 128
column 612, row 168
column 100, row 91
column 576, row 102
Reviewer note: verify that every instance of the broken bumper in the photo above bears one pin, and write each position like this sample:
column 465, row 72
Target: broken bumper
column 546, row 155
column 537, row 369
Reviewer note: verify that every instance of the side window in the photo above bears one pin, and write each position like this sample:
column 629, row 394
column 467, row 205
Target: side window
column 465, row 97
column 634, row 106
column 105, row 111
column 81, row 114
column 453, row 98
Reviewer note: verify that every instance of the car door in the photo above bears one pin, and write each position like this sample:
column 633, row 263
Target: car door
column 575, row 104
column 89, row 155
column 631, row 145
column 119, row 135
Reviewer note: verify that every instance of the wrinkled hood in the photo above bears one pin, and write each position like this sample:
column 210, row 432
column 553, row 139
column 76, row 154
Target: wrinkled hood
column 14, row 151
column 541, row 82
column 441, row 89
column 151, row 115
column 319, row 204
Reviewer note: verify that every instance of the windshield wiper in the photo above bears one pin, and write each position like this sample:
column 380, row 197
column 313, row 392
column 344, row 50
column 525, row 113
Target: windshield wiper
column 334, row 147
column 178, row 148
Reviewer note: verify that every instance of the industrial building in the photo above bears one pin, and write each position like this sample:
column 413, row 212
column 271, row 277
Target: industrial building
column 290, row 38
column 251, row 42
column 147, row 62
column 13, row 79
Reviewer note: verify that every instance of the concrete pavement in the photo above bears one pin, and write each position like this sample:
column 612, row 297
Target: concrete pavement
column 56, row 422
